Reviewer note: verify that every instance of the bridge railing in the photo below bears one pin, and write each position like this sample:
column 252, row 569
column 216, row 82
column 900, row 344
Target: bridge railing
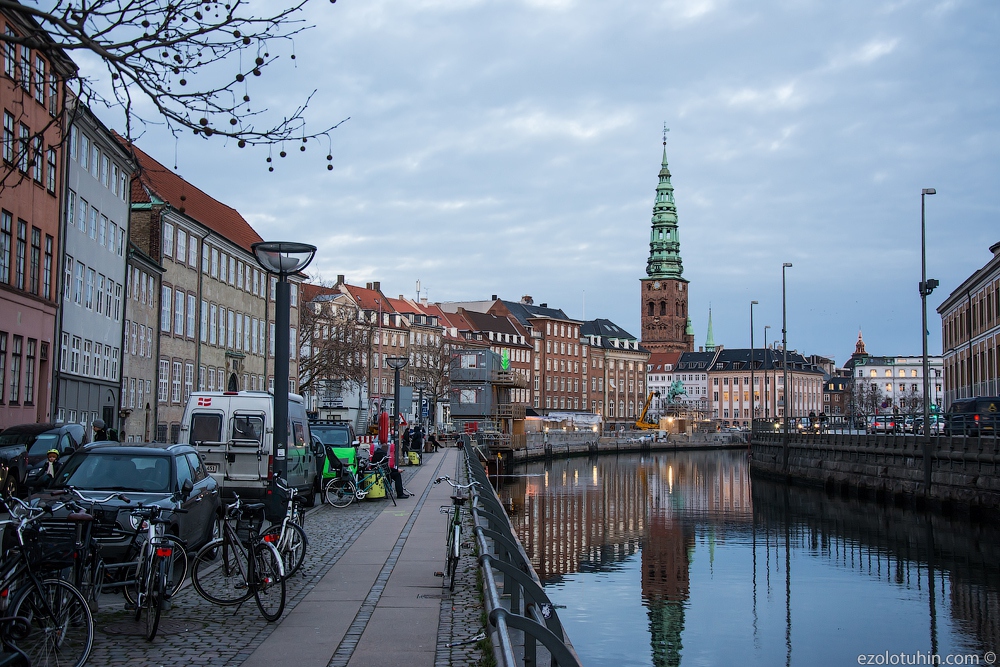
column 524, row 625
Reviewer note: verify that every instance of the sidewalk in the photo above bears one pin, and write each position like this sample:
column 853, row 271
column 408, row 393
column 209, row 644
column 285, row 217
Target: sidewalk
column 366, row 594
column 380, row 602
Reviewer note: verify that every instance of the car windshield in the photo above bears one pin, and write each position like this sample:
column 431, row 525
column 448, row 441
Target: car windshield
column 115, row 471
column 338, row 437
column 44, row 443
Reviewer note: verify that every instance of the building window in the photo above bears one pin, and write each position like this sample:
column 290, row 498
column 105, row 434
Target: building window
column 6, row 224
column 15, row 370
column 188, row 379
column 22, row 248
column 47, row 269
column 190, row 315
column 51, row 181
column 212, row 327
column 175, row 383
column 88, row 300
column 178, row 313
column 168, row 240
column 3, row 363
column 8, row 137
column 165, row 295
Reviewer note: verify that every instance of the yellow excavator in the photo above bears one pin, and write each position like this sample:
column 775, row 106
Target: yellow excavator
column 641, row 423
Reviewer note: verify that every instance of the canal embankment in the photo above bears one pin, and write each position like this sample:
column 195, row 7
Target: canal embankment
column 541, row 446
column 945, row 472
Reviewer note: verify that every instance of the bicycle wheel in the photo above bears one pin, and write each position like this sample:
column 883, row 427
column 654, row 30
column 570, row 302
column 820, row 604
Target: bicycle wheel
column 454, row 553
column 270, row 589
column 221, row 577
column 340, row 492
column 152, row 603
column 61, row 626
column 291, row 542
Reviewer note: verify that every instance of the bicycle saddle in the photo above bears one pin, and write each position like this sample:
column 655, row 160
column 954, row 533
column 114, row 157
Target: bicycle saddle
column 79, row 516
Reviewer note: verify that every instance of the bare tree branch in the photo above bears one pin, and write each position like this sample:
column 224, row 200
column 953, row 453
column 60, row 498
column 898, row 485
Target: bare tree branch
column 193, row 60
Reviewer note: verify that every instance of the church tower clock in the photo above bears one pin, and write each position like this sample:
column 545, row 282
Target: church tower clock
column 666, row 326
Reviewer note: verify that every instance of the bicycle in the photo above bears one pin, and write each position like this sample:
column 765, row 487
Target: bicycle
column 288, row 536
column 153, row 568
column 89, row 570
column 345, row 488
column 250, row 563
column 454, row 536
column 54, row 623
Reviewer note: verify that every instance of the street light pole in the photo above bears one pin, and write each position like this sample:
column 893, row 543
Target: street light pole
column 283, row 259
column 784, row 363
column 753, row 391
column 767, row 405
column 926, row 287
column 396, row 364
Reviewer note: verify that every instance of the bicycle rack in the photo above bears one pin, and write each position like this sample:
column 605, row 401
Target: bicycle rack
column 528, row 609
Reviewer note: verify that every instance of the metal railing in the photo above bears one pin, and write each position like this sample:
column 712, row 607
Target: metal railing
column 523, row 623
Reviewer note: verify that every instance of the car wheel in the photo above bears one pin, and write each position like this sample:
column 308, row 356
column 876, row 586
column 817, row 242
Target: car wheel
column 10, row 486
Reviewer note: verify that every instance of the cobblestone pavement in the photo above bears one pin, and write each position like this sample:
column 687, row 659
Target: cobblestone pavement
column 461, row 611
column 196, row 632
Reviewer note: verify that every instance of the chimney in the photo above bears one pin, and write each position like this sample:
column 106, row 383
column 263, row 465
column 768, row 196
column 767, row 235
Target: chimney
column 527, row 300
column 340, row 279
column 400, row 297
column 493, row 298
column 368, row 285
column 377, row 286
column 701, row 348
column 543, row 305
column 423, row 301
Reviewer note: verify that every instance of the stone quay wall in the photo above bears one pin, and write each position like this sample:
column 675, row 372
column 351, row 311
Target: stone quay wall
column 587, row 443
column 964, row 471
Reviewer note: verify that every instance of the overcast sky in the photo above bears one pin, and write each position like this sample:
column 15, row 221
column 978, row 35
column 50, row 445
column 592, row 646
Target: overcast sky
column 512, row 147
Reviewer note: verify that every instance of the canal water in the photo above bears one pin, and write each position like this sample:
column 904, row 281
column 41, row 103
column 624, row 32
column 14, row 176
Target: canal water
column 680, row 559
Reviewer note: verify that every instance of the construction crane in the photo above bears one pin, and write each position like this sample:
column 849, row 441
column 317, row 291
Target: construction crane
column 641, row 423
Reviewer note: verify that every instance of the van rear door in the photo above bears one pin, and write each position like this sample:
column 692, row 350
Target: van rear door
column 205, row 435
column 246, row 459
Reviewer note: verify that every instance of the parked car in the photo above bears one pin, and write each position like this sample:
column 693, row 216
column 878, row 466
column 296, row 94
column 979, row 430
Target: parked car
column 338, row 438
column 937, row 425
column 24, row 445
column 973, row 416
column 169, row 475
column 233, row 433
column 886, row 424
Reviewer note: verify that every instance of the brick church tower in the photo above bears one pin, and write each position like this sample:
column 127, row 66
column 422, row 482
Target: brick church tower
column 666, row 326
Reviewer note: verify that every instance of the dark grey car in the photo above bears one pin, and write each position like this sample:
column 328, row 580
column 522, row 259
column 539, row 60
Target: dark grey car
column 169, row 475
column 25, row 445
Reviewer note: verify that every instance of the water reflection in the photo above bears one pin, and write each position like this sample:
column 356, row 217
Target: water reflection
column 680, row 554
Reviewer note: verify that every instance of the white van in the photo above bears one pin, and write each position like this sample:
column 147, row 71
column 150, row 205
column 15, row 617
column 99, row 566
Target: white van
column 233, row 433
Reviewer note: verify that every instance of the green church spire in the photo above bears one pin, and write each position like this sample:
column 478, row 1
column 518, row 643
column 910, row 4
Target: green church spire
column 664, row 244
column 710, row 339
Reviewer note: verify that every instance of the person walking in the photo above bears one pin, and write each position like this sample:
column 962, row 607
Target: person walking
column 432, row 442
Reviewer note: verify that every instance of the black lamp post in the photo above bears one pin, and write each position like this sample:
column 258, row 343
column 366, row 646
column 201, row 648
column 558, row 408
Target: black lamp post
column 283, row 259
column 421, row 387
column 396, row 364
column 784, row 364
column 753, row 390
column 767, row 405
column 926, row 287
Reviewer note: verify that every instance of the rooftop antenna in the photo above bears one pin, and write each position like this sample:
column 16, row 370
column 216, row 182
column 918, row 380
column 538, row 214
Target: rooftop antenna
column 418, row 290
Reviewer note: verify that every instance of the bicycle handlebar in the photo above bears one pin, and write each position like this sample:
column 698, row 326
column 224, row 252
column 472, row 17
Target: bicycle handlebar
column 97, row 501
column 455, row 485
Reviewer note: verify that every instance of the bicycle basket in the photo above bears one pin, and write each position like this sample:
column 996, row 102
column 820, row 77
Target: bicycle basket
column 248, row 524
column 50, row 545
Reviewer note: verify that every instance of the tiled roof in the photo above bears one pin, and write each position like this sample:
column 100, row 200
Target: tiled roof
column 311, row 291
column 659, row 361
column 603, row 327
column 368, row 299
column 192, row 202
column 524, row 312
column 488, row 322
